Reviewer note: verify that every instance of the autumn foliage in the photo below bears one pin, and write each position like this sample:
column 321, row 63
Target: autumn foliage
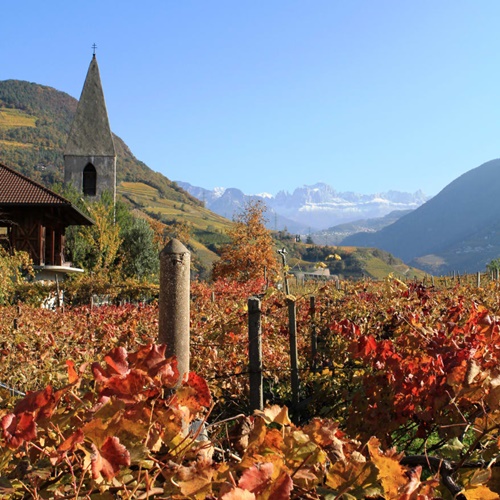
column 401, row 400
column 250, row 255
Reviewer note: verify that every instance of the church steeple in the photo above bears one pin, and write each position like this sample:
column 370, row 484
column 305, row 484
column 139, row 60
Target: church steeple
column 90, row 156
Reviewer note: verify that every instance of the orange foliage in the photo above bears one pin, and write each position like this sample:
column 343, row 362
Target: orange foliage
column 250, row 254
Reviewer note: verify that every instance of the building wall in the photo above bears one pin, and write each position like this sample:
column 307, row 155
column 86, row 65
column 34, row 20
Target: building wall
column 105, row 167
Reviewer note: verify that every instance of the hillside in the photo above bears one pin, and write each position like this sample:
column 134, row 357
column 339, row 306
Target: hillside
column 458, row 229
column 34, row 124
column 336, row 234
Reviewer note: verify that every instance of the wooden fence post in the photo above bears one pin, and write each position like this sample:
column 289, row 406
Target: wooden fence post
column 255, row 354
column 173, row 303
column 282, row 252
column 314, row 333
column 294, row 357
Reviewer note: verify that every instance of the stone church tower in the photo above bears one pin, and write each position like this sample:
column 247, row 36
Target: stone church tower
column 90, row 156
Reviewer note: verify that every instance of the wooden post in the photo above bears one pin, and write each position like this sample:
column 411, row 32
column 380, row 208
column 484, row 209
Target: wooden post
column 478, row 279
column 173, row 303
column 282, row 252
column 314, row 333
column 58, row 298
column 294, row 357
column 255, row 354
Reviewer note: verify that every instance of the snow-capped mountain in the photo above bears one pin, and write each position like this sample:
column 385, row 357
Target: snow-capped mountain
column 309, row 208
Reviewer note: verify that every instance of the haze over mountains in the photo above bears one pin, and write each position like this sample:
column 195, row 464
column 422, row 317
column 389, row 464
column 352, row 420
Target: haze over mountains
column 309, row 208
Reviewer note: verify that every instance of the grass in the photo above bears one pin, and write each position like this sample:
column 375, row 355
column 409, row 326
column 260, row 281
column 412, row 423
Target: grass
column 14, row 118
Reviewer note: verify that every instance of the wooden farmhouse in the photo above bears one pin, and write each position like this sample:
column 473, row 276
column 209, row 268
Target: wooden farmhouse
column 33, row 219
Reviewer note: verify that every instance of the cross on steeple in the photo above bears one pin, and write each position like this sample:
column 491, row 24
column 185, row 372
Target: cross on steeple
column 94, row 46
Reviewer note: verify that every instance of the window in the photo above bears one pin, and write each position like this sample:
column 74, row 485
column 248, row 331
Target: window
column 89, row 180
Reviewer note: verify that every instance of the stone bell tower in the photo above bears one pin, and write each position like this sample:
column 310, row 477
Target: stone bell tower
column 90, row 156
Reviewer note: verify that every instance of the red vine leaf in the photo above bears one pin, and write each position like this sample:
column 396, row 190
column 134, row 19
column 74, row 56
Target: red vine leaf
column 72, row 374
column 199, row 384
column 41, row 403
column 194, row 393
column 132, row 387
column 257, row 478
column 106, row 462
column 117, row 361
column 68, row 445
column 18, row 428
column 282, row 487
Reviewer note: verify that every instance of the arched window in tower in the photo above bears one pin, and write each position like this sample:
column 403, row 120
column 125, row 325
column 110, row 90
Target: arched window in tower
column 89, row 180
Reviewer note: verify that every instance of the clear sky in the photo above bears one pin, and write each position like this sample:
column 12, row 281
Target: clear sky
column 264, row 95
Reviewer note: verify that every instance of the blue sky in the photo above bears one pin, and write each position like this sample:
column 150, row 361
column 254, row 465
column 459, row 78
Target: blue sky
column 264, row 95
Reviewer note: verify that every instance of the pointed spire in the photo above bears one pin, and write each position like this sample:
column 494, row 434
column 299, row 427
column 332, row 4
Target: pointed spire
column 90, row 132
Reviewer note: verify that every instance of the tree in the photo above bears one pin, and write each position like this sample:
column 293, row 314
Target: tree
column 250, row 252
column 14, row 269
column 494, row 265
column 101, row 242
column 139, row 251
column 180, row 230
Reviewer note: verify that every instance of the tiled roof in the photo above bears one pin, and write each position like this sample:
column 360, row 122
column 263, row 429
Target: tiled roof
column 17, row 189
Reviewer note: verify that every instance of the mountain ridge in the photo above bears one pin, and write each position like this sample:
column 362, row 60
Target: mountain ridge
column 310, row 207
column 458, row 229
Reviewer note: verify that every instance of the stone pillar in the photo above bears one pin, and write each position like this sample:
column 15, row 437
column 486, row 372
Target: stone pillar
column 175, row 261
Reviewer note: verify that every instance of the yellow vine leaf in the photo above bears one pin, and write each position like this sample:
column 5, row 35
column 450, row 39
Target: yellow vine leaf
column 238, row 494
column 481, row 493
column 196, row 483
column 390, row 472
column 275, row 413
